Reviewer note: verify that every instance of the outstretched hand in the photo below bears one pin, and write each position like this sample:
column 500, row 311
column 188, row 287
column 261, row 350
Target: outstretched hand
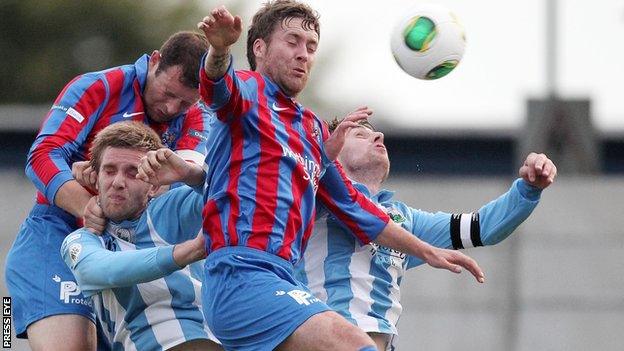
column 336, row 140
column 221, row 28
column 538, row 170
column 454, row 261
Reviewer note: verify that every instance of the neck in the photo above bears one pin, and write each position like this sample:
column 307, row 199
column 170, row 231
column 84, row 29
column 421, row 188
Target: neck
column 371, row 178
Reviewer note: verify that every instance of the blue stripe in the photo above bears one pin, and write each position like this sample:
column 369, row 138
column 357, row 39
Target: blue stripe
column 188, row 315
column 339, row 295
column 381, row 292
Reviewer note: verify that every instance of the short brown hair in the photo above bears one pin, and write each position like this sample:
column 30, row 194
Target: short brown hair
column 278, row 12
column 333, row 124
column 125, row 135
column 184, row 49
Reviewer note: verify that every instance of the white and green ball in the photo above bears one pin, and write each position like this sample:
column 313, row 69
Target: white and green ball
column 429, row 42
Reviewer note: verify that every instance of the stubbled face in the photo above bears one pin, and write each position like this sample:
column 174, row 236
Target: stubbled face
column 122, row 196
column 364, row 149
column 165, row 97
column 288, row 56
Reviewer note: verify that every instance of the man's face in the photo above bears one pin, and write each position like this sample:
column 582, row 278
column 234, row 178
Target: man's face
column 288, row 56
column 165, row 97
column 122, row 196
column 364, row 149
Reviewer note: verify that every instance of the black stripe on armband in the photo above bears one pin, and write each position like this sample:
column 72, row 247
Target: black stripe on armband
column 455, row 235
column 475, row 230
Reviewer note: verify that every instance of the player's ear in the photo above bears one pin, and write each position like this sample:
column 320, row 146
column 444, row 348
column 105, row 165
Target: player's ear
column 155, row 190
column 259, row 48
column 154, row 59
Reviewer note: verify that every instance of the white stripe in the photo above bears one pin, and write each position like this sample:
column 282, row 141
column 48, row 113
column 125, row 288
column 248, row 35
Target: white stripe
column 392, row 315
column 75, row 114
column 156, row 238
column 361, row 286
column 191, row 155
column 317, row 248
column 159, row 314
column 464, row 230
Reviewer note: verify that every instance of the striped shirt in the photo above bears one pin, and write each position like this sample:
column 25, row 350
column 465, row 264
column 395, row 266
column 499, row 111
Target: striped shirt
column 265, row 167
column 88, row 104
column 143, row 300
column 361, row 282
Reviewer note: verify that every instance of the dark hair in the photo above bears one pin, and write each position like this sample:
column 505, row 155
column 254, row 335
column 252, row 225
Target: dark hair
column 278, row 12
column 333, row 124
column 184, row 49
column 125, row 135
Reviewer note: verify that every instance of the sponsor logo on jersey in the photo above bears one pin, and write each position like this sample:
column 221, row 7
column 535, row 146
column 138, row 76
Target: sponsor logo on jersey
column 276, row 108
column 70, row 111
column 301, row 297
column 387, row 255
column 128, row 115
column 69, row 291
column 310, row 167
column 197, row 134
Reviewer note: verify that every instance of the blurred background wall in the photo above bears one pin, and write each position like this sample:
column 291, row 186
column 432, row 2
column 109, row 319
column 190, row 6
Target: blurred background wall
column 537, row 75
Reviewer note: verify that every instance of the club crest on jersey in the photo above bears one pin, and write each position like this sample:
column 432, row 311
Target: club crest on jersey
column 168, row 138
column 394, row 214
column 126, row 234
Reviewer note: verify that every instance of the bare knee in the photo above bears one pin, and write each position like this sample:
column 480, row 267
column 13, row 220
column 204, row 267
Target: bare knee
column 327, row 331
column 62, row 332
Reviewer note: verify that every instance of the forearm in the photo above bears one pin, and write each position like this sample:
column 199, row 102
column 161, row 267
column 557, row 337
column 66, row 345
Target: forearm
column 217, row 62
column 195, row 175
column 188, row 252
column 395, row 237
column 73, row 198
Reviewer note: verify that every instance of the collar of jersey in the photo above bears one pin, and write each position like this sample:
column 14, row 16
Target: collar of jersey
column 140, row 67
column 274, row 89
column 382, row 196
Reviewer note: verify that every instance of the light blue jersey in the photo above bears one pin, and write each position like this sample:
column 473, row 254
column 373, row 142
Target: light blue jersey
column 362, row 282
column 142, row 298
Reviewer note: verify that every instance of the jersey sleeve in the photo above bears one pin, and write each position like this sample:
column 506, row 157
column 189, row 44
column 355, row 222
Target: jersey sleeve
column 194, row 135
column 64, row 131
column 96, row 268
column 229, row 96
column 494, row 222
column 354, row 211
column 177, row 214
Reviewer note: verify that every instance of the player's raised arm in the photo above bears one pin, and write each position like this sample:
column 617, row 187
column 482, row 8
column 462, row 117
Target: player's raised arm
column 222, row 30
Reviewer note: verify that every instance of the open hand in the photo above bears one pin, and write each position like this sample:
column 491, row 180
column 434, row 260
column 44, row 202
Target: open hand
column 221, row 28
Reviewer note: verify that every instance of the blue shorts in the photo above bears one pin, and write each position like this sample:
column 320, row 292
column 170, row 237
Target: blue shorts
column 251, row 299
column 39, row 281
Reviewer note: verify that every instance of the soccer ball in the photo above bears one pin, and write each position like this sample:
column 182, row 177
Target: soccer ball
column 429, row 42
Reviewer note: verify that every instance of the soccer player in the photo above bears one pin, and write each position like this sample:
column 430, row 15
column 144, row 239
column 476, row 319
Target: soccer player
column 132, row 272
column 268, row 159
column 362, row 282
column 158, row 90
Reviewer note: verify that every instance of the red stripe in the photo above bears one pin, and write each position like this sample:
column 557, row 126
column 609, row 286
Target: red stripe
column 115, row 80
column 356, row 197
column 212, row 225
column 267, row 177
column 236, row 160
column 307, row 233
column 68, row 131
column 192, row 120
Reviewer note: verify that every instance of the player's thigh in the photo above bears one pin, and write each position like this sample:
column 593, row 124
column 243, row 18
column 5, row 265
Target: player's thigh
column 39, row 282
column 326, row 331
column 62, row 332
column 197, row 345
column 381, row 340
